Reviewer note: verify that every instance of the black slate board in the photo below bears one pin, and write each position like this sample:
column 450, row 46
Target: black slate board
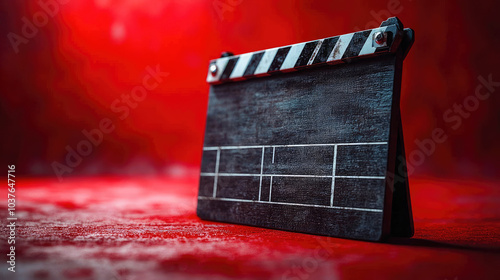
column 311, row 151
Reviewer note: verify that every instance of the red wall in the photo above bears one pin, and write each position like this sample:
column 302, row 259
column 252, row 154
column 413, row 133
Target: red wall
column 72, row 73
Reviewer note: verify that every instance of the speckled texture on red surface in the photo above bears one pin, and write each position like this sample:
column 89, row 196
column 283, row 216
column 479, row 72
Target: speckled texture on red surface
column 145, row 228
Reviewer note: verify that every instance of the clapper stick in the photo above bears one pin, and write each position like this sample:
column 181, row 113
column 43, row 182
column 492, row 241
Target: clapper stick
column 308, row 137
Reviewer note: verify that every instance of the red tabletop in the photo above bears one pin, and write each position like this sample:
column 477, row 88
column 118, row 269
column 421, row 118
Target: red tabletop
column 147, row 228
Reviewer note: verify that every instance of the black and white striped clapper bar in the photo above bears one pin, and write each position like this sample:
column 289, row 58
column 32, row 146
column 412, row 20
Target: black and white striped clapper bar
column 308, row 137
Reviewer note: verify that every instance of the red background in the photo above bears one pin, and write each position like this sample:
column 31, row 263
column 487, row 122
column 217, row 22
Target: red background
column 66, row 77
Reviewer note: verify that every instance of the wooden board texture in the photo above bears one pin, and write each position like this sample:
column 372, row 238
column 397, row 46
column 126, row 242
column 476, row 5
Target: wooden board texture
column 306, row 151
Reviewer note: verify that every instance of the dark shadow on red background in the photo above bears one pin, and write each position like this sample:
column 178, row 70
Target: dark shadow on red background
column 65, row 78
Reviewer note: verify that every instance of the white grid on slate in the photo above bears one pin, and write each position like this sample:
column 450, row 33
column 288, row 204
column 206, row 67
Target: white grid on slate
column 216, row 174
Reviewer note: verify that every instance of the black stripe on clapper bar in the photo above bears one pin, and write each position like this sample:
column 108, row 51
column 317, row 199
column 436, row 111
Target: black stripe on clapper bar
column 356, row 44
column 279, row 59
column 254, row 62
column 229, row 68
column 306, row 53
column 326, row 49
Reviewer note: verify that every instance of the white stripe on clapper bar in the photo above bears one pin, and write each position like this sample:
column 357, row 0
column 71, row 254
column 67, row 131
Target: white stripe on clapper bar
column 241, row 66
column 266, row 61
column 340, row 47
column 292, row 56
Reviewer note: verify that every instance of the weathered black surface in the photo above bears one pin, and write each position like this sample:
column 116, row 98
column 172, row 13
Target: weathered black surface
column 345, row 110
column 323, row 221
column 332, row 104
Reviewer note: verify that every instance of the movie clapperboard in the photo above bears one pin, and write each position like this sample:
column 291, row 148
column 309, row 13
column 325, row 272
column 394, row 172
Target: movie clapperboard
column 308, row 137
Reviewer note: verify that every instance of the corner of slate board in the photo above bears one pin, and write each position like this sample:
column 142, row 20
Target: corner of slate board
column 277, row 147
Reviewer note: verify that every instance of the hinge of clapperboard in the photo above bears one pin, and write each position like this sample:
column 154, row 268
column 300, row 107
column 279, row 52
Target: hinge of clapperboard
column 401, row 224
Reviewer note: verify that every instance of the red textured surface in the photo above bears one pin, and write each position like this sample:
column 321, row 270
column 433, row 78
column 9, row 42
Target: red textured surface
column 146, row 228
column 66, row 78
